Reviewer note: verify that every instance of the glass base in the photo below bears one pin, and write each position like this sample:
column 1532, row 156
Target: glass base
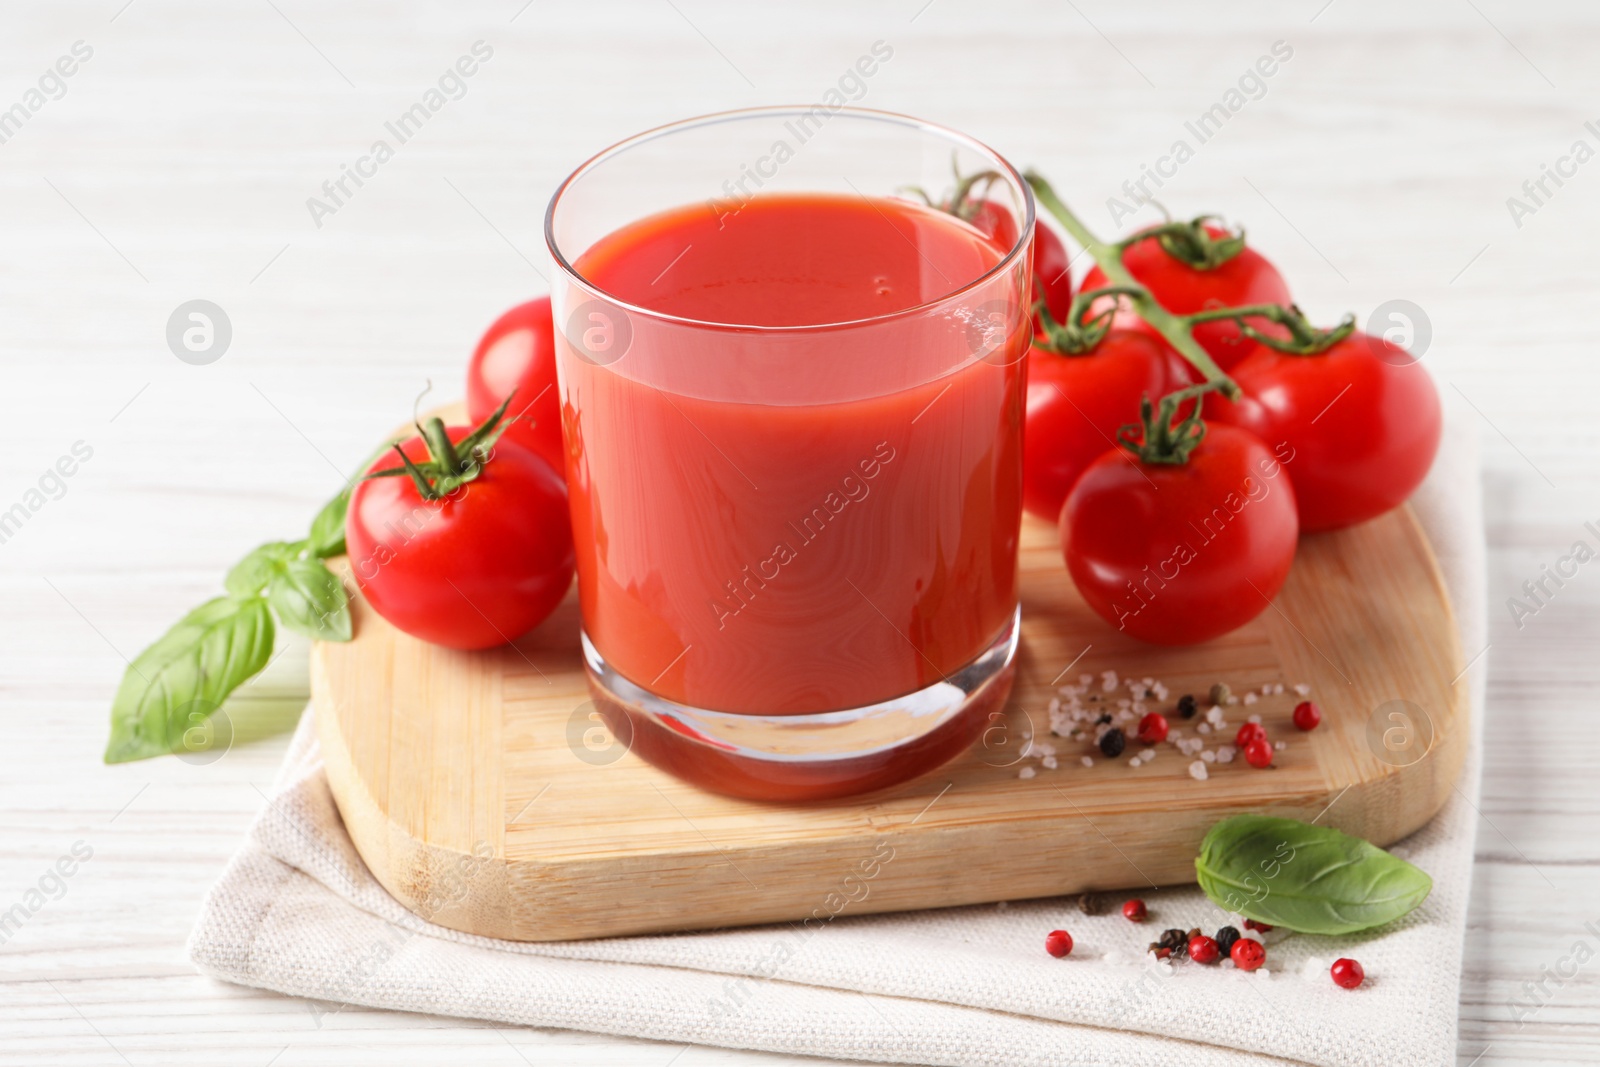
column 809, row 757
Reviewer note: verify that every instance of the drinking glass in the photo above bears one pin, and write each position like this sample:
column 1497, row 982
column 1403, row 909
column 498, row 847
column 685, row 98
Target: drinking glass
column 796, row 541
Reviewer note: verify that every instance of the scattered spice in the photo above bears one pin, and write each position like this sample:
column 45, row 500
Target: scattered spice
column 1153, row 728
column 1251, row 924
column 1307, row 715
column 1111, row 713
column 1094, row 903
column 1203, row 949
column 1058, row 943
column 1174, row 941
column 1347, row 973
column 1247, row 954
column 1225, row 939
column 1135, row 911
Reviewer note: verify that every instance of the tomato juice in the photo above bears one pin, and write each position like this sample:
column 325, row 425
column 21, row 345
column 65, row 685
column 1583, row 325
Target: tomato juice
column 793, row 436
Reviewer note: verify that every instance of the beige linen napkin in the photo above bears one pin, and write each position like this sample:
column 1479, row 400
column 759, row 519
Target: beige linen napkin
column 297, row 911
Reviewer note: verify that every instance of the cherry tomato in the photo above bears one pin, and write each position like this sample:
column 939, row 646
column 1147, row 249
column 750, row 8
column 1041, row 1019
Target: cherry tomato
column 1361, row 422
column 1051, row 273
column 476, row 568
column 1247, row 278
column 1179, row 553
column 519, row 352
column 1076, row 404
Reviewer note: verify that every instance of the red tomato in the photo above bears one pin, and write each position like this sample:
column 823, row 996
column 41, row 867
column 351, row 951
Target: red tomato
column 519, row 352
column 1361, row 421
column 1051, row 271
column 1247, row 278
column 1176, row 554
column 1076, row 404
column 474, row 569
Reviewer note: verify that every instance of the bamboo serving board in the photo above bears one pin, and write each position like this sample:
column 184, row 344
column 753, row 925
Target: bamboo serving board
column 483, row 795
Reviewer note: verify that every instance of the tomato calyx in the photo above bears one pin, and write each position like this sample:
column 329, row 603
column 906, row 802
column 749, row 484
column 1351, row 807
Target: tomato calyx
column 1082, row 332
column 450, row 464
column 1192, row 242
column 1304, row 339
column 1160, row 436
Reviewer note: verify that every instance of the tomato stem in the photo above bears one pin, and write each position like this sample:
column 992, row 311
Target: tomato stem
column 1304, row 339
column 1082, row 332
column 1157, row 437
column 450, row 464
column 1109, row 257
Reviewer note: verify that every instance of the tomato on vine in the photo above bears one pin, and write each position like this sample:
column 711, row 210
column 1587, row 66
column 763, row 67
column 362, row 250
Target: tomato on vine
column 1084, row 379
column 517, row 353
column 1183, row 533
column 465, row 542
column 1361, row 416
column 1198, row 266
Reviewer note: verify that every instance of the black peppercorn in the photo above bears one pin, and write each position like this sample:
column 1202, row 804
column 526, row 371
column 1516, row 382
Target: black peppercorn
column 1093, row 904
column 1174, row 940
column 1225, row 939
column 1187, row 706
column 1112, row 742
column 1103, row 719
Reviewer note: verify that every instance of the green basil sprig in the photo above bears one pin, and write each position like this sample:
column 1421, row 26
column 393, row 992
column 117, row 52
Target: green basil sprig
column 1303, row 877
column 174, row 685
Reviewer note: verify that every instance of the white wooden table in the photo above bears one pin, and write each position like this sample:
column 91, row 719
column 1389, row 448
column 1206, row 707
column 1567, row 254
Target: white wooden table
column 177, row 162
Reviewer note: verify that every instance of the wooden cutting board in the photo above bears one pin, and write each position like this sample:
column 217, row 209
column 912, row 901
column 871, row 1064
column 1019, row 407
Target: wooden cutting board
column 484, row 795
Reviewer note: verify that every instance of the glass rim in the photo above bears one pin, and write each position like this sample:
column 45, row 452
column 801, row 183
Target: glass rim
column 1006, row 262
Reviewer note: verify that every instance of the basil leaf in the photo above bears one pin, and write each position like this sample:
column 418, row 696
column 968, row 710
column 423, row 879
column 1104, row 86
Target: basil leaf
column 186, row 675
column 250, row 575
column 310, row 599
column 1308, row 878
column 327, row 529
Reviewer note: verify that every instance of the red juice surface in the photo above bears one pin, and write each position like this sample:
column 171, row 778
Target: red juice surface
column 774, row 516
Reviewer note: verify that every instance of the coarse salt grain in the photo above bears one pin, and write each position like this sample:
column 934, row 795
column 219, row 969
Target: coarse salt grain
column 1225, row 754
column 1203, row 728
column 1134, row 762
column 1147, row 754
column 1214, row 715
column 1197, row 771
column 1280, row 745
column 1250, row 698
column 1049, row 763
column 1302, row 688
column 1209, row 756
column 1026, row 772
column 1255, row 719
column 1088, row 761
